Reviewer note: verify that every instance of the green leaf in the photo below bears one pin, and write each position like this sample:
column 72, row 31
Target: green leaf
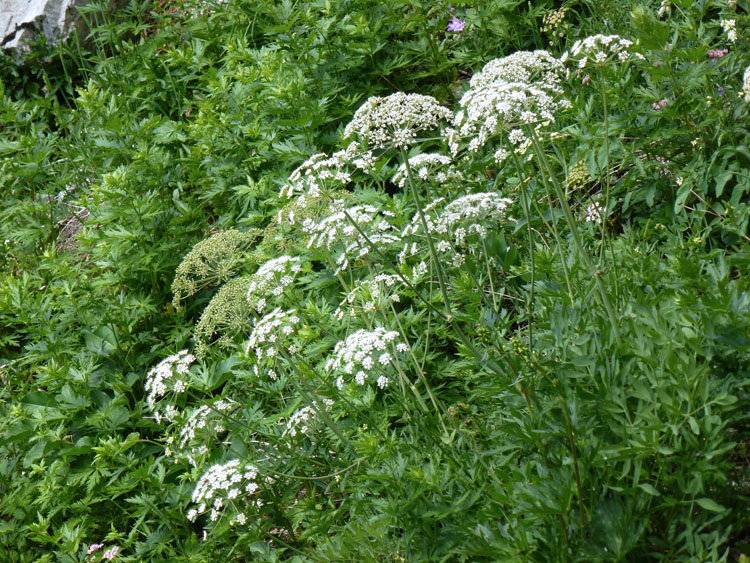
column 649, row 489
column 709, row 504
column 41, row 399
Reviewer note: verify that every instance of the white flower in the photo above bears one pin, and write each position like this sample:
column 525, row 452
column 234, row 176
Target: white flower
column 466, row 215
column 593, row 213
column 500, row 106
column 355, row 228
column 601, row 49
column 365, row 295
column 361, row 352
column 730, row 28
column 426, row 167
column 396, row 119
column 271, row 278
column 382, row 382
column 159, row 380
column 219, row 484
column 268, row 332
column 301, row 419
column 746, row 85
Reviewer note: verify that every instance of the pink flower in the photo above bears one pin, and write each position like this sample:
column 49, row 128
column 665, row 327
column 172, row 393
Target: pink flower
column 661, row 104
column 93, row 547
column 456, row 24
column 110, row 554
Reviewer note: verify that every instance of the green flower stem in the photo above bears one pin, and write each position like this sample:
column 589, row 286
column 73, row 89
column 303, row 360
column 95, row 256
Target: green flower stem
column 420, row 373
column 556, row 235
column 525, row 204
column 574, row 232
column 430, row 243
column 607, row 182
column 489, row 276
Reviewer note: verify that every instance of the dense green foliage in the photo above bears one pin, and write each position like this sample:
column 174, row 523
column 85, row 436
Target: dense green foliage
column 552, row 316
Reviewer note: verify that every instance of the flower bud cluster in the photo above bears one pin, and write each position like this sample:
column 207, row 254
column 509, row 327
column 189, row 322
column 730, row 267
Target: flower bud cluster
column 553, row 20
column 222, row 486
column 746, row 85
column 365, row 353
column 395, row 120
column 272, row 332
column 598, row 50
column 169, row 375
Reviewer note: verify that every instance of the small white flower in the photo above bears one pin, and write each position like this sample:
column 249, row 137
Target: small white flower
column 395, row 120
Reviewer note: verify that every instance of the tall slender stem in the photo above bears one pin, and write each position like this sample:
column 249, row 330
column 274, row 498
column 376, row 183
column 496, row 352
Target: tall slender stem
column 574, row 233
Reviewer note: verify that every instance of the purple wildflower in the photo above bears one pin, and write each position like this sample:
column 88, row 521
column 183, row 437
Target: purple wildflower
column 456, row 24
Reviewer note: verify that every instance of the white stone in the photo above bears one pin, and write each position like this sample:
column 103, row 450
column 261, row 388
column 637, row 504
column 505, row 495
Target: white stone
column 22, row 20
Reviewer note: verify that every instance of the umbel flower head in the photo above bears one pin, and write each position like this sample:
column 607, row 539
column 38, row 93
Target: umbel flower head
column 169, row 375
column 223, row 487
column 598, row 50
column 464, row 217
column 395, row 120
column 365, row 354
column 272, row 278
column 531, row 67
column 339, row 230
column 272, row 332
column 428, row 167
column 502, row 106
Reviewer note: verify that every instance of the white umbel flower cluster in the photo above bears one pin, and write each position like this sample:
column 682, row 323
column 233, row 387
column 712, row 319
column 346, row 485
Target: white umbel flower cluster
column 204, row 423
column 599, row 50
column 466, row 215
column 365, row 353
column 169, row 375
column 302, row 419
column 746, row 85
column 428, row 167
column 365, row 296
column 730, row 28
column 395, row 121
column 321, row 171
column 522, row 66
column 593, row 213
column 223, row 486
column 271, row 333
column 272, row 278
column 338, row 229
column 516, row 91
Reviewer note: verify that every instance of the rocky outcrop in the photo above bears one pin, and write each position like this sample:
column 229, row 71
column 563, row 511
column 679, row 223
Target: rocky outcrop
column 21, row 22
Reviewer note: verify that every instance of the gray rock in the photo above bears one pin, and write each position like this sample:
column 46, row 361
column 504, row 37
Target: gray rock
column 22, row 20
